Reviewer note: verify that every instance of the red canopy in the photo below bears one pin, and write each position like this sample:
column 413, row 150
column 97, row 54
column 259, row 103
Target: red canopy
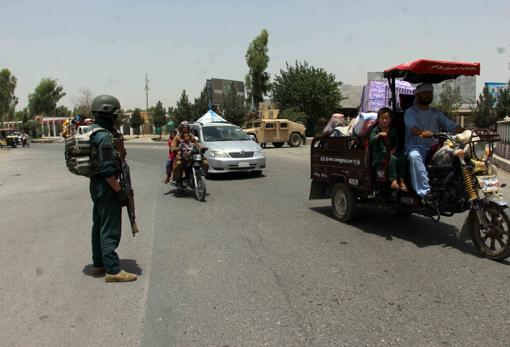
column 432, row 71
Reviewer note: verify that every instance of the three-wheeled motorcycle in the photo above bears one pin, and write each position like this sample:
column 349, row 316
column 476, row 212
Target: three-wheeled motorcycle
column 461, row 174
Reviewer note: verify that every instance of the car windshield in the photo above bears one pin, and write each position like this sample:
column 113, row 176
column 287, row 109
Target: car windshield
column 224, row 133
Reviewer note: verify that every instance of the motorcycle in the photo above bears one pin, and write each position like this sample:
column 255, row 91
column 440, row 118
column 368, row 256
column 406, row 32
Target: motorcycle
column 194, row 175
column 461, row 178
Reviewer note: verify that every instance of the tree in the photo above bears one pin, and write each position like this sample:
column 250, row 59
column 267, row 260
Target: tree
column 183, row 110
column 233, row 104
column 62, row 111
column 200, row 105
column 310, row 90
column 449, row 99
column 83, row 103
column 503, row 103
column 8, row 100
column 294, row 114
column 43, row 101
column 257, row 60
column 484, row 113
column 158, row 117
column 136, row 121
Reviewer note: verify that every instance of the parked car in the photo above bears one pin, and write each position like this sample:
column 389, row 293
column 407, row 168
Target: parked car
column 229, row 148
column 276, row 131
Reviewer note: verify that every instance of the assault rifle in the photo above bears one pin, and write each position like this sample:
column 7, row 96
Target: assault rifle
column 125, row 182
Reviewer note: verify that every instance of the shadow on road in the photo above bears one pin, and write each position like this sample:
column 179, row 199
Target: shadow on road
column 129, row 265
column 419, row 230
column 234, row 176
column 186, row 193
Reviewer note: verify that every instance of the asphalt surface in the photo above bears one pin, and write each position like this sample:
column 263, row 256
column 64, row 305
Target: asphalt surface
column 256, row 264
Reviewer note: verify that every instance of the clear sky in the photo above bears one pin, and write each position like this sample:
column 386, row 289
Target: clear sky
column 109, row 46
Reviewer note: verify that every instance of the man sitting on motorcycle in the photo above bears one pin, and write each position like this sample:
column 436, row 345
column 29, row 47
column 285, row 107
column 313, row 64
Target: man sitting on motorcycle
column 421, row 122
column 184, row 128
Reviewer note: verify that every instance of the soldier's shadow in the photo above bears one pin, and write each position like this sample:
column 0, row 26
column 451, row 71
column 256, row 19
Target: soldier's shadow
column 129, row 265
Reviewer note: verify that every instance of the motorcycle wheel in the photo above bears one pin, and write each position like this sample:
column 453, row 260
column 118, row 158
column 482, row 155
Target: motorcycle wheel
column 200, row 189
column 495, row 242
column 343, row 203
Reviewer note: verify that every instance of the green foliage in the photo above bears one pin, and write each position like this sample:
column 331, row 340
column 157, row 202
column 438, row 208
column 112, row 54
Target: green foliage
column 233, row 104
column 503, row 103
column 293, row 114
column 184, row 109
column 257, row 60
column 484, row 113
column 136, row 121
column 32, row 128
column 200, row 105
column 449, row 99
column 62, row 111
column 158, row 116
column 308, row 89
column 43, row 101
column 8, row 100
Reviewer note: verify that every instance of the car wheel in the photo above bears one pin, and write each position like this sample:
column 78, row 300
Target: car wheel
column 295, row 140
column 257, row 173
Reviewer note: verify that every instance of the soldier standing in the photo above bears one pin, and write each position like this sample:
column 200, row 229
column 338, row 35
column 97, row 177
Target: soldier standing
column 107, row 195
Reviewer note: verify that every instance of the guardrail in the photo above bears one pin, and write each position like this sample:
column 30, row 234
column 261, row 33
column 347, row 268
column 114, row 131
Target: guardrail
column 503, row 147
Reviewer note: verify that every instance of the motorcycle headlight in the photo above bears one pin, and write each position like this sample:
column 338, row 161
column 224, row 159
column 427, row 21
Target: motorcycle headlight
column 482, row 150
column 219, row 154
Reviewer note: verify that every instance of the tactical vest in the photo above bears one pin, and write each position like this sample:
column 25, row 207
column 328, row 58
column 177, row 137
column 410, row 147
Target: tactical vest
column 81, row 156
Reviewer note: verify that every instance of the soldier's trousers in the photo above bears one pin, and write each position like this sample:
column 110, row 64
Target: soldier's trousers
column 106, row 231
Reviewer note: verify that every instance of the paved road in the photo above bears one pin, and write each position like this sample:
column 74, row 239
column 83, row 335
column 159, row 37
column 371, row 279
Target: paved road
column 257, row 264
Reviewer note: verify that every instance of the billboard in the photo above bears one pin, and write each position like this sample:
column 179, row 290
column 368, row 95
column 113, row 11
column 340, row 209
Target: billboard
column 495, row 87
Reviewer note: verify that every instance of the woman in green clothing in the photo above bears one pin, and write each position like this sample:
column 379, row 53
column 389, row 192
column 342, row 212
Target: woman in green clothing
column 383, row 146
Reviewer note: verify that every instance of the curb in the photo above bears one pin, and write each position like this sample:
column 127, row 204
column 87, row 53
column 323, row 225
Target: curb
column 501, row 163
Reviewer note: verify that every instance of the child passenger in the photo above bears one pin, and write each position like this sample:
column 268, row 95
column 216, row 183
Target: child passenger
column 383, row 147
column 185, row 148
column 171, row 157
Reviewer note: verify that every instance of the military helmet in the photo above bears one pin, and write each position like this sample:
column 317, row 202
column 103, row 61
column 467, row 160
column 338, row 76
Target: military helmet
column 105, row 104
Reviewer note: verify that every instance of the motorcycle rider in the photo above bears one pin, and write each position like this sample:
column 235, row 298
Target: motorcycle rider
column 184, row 128
column 421, row 122
column 107, row 195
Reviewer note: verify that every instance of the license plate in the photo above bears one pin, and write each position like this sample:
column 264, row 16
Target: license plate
column 489, row 184
column 243, row 164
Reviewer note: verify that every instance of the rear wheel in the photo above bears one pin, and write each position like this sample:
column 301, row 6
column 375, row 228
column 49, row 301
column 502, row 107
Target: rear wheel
column 495, row 242
column 278, row 144
column 343, row 203
column 295, row 140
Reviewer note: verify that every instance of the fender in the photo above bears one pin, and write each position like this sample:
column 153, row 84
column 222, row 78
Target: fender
column 498, row 200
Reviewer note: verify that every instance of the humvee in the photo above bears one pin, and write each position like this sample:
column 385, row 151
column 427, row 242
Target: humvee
column 276, row 131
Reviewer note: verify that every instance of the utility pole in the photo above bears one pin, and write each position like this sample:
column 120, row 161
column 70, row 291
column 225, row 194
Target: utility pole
column 146, row 93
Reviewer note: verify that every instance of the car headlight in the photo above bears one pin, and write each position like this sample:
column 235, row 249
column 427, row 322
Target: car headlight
column 219, row 154
column 259, row 153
